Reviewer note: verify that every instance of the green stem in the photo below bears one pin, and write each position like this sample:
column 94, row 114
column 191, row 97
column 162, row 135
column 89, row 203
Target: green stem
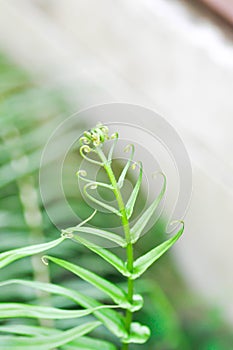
column 126, row 227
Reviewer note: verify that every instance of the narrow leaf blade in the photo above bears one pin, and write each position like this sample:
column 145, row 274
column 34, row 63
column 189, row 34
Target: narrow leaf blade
column 145, row 261
column 132, row 199
column 110, row 318
column 87, row 343
column 46, row 342
column 115, row 293
column 27, row 330
column 106, row 255
column 102, row 204
column 82, row 343
column 145, row 217
column 100, row 233
column 12, row 310
column 15, row 254
column 127, row 165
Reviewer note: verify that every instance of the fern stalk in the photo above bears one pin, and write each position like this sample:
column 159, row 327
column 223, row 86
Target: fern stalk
column 126, row 227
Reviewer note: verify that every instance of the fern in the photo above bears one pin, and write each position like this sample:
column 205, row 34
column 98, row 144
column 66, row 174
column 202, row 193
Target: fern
column 120, row 322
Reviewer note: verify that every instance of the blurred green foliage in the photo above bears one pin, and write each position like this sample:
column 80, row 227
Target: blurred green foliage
column 28, row 115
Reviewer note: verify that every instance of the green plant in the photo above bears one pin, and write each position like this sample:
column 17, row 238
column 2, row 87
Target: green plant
column 120, row 322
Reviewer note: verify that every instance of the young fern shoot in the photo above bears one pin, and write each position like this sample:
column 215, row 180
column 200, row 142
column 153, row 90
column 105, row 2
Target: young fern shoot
column 93, row 142
column 123, row 327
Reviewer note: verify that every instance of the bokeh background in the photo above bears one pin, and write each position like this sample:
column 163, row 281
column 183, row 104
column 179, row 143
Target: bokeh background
column 176, row 57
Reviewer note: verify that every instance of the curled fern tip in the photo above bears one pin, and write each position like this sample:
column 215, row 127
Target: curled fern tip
column 95, row 136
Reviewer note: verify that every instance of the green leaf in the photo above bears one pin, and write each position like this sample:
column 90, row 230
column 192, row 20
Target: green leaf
column 132, row 199
column 26, row 330
column 102, row 204
column 110, row 153
column 127, row 165
column 110, row 318
column 82, row 176
column 139, row 334
column 99, row 232
column 117, row 294
column 15, row 254
column 106, row 255
column 9, row 310
column 145, row 261
column 145, row 217
column 46, row 342
column 82, row 343
column 87, row 343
